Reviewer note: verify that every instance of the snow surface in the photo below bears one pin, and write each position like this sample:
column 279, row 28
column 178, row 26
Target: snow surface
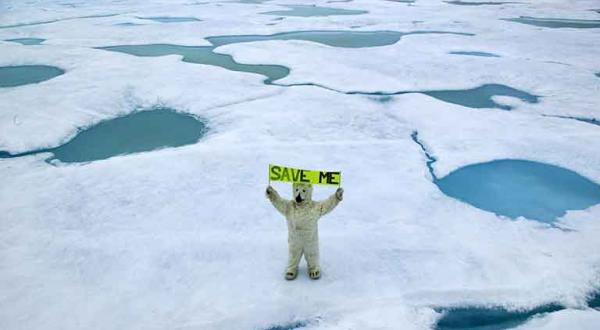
column 566, row 319
column 183, row 238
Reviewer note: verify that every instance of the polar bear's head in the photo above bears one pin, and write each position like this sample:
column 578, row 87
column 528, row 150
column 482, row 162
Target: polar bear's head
column 302, row 192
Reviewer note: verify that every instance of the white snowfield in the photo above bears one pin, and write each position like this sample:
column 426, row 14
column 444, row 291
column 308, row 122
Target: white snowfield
column 567, row 319
column 184, row 238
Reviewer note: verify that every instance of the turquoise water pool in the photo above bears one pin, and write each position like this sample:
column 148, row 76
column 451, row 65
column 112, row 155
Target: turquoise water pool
column 203, row 55
column 517, row 188
column 482, row 54
column 478, row 97
column 497, row 318
column 556, row 23
column 312, row 10
column 334, row 38
column 482, row 318
column 19, row 75
column 521, row 188
column 136, row 132
column 168, row 19
column 27, row 41
column 481, row 97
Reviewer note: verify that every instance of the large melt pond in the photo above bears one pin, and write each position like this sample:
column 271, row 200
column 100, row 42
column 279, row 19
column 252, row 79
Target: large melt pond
column 11, row 76
column 136, row 132
column 521, row 188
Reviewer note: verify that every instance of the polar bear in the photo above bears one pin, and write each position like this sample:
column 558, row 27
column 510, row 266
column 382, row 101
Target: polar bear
column 302, row 214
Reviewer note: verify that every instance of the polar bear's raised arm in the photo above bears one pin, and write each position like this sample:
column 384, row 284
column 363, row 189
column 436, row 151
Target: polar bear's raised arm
column 279, row 203
column 331, row 202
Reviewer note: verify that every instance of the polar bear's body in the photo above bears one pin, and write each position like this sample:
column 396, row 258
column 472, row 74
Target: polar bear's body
column 302, row 215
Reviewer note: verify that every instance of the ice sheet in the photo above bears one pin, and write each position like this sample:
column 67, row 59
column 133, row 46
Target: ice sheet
column 183, row 238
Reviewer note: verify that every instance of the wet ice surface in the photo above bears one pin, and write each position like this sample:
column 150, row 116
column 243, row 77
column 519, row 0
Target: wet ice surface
column 594, row 301
column 312, row 10
column 592, row 121
column 290, row 326
column 478, row 3
column 167, row 19
column 27, row 41
column 12, row 76
column 483, row 54
column 128, row 24
column 557, row 23
column 182, row 237
column 482, row 97
column 251, row 1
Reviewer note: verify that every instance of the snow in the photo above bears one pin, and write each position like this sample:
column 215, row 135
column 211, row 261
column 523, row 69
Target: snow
column 184, row 237
column 566, row 319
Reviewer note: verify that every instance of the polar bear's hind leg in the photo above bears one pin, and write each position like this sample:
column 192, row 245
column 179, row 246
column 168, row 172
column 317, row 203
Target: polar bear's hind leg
column 295, row 254
column 311, row 253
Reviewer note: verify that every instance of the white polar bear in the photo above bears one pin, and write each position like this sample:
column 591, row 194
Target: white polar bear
column 302, row 214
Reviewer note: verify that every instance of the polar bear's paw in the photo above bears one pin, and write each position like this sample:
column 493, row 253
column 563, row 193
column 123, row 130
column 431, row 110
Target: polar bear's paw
column 291, row 275
column 314, row 274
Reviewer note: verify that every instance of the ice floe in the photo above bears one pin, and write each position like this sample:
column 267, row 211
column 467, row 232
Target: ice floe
column 183, row 238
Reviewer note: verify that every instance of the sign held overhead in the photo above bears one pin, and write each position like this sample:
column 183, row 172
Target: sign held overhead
column 296, row 175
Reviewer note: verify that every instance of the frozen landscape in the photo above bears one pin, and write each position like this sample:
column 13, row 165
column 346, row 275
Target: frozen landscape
column 135, row 138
